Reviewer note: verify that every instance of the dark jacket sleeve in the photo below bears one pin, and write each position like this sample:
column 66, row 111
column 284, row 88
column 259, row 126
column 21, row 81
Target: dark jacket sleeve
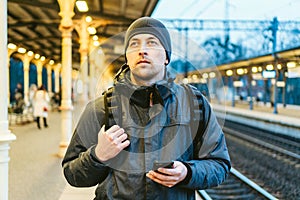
column 211, row 165
column 80, row 167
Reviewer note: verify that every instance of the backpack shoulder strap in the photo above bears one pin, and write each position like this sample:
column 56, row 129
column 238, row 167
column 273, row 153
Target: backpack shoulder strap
column 112, row 108
column 200, row 113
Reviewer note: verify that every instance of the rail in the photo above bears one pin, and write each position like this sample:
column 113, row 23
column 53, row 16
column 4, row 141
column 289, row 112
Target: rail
column 236, row 187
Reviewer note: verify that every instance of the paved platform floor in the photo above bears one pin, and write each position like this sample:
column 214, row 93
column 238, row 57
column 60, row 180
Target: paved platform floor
column 71, row 193
column 35, row 171
column 34, row 168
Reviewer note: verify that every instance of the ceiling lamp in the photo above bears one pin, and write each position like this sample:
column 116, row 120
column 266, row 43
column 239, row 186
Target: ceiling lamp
column 91, row 30
column 205, row 75
column 96, row 43
column 240, row 71
column 229, row 72
column 12, row 46
column 254, row 69
column 95, row 37
column 88, row 19
column 212, row 74
column 270, row 67
column 291, row 64
column 82, row 6
column 21, row 50
column 30, row 53
column 37, row 56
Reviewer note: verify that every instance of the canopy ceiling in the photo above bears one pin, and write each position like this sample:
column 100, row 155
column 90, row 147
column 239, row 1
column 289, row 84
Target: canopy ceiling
column 33, row 24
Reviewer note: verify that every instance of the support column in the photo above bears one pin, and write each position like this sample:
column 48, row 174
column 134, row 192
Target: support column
column 39, row 69
column 233, row 88
column 66, row 27
column 26, row 63
column 10, row 51
column 249, row 87
column 5, row 135
column 275, row 110
column 56, row 78
column 49, row 79
column 284, row 70
column 81, row 28
column 92, row 81
column 75, row 74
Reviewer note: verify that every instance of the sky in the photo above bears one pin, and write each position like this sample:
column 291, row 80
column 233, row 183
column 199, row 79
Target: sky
column 265, row 10
column 237, row 9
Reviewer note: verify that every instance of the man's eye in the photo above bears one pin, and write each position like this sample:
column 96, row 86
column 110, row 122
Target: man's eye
column 133, row 44
column 152, row 43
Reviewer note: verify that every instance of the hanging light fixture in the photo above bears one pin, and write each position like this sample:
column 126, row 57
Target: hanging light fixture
column 82, row 6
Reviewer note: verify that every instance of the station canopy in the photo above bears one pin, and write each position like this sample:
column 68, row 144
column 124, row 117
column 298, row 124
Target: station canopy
column 34, row 24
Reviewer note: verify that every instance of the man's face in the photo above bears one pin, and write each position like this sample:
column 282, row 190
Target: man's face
column 146, row 58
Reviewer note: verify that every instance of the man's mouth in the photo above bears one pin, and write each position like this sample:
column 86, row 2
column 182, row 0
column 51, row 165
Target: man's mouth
column 143, row 61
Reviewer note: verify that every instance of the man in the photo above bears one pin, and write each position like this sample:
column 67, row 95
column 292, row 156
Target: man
column 153, row 119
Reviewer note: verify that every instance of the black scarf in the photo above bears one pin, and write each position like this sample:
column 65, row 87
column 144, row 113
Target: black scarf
column 142, row 95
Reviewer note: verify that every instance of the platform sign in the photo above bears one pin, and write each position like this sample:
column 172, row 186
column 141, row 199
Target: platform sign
column 280, row 84
column 293, row 72
column 238, row 84
column 269, row 74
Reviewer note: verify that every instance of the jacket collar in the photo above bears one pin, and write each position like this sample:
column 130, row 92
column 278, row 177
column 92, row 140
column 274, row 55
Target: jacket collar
column 140, row 95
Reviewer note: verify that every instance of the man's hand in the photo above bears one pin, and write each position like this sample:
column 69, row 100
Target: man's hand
column 169, row 177
column 111, row 142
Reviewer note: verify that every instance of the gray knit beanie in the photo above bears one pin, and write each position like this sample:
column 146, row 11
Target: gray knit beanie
column 148, row 25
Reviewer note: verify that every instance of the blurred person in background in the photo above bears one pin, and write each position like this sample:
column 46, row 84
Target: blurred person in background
column 19, row 105
column 41, row 106
column 32, row 91
column 18, row 91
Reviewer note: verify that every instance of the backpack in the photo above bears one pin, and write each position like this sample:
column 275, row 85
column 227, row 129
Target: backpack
column 199, row 114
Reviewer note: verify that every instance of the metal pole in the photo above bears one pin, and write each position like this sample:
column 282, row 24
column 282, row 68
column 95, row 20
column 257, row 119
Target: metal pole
column 274, row 36
column 275, row 111
column 186, row 53
column 226, row 30
column 250, row 90
column 233, row 90
column 284, row 88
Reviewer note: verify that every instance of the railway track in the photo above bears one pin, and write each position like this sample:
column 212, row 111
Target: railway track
column 282, row 148
column 236, row 186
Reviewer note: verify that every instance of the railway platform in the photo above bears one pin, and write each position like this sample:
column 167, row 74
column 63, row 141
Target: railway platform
column 286, row 121
column 35, row 169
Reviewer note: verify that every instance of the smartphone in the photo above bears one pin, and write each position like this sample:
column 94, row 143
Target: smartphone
column 162, row 164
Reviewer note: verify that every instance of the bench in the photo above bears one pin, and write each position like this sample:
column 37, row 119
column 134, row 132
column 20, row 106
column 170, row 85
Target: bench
column 22, row 117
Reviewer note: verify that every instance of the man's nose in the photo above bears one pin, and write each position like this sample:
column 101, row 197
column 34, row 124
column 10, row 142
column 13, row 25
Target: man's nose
column 143, row 49
column 143, row 53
